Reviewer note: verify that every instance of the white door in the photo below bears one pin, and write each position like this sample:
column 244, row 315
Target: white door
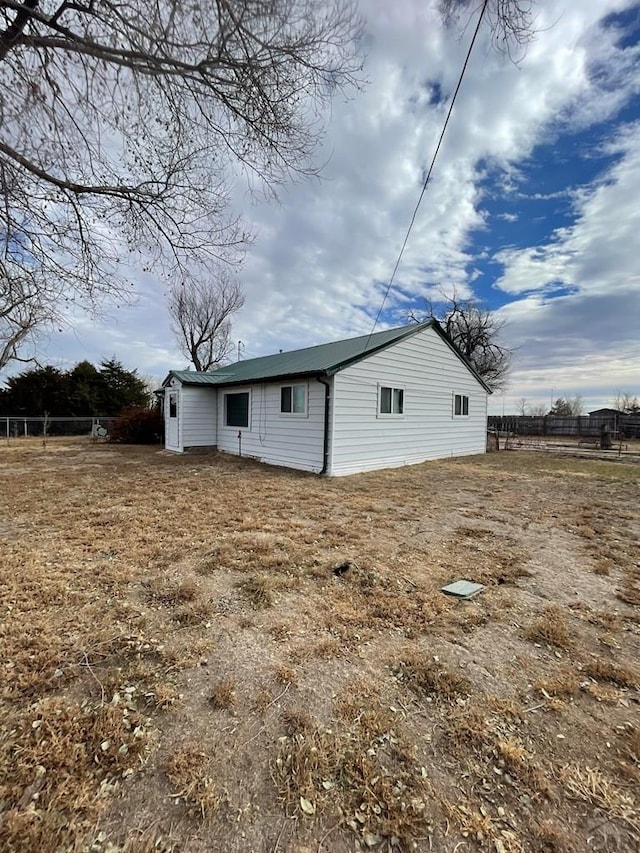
column 171, row 421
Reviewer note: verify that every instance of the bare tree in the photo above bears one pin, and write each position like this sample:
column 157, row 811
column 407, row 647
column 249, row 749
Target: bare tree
column 625, row 402
column 25, row 310
column 201, row 314
column 539, row 410
column 511, row 22
column 523, row 405
column 124, row 121
column 475, row 331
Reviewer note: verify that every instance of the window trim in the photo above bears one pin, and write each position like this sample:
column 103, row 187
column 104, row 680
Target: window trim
column 292, row 414
column 393, row 415
column 224, row 410
column 462, row 413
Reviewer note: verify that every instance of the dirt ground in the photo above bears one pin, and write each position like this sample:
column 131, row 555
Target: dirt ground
column 181, row 669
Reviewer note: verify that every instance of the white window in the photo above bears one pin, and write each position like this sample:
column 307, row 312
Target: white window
column 460, row 406
column 236, row 409
column 293, row 400
column 390, row 400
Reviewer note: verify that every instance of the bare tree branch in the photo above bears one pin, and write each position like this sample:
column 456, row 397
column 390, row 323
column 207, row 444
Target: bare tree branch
column 124, row 125
column 201, row 313
column 475, row 331
column 511, row 22
column 24, row 311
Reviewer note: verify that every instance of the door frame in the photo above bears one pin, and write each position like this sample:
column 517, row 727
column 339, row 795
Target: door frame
column 172, row 421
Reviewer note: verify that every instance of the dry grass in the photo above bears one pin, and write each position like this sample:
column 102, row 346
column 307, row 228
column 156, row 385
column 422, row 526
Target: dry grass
column 360, row 772
column 592, row 786
column 606, row 670
column 129, row 622
column 430, row 678
column 552, row 837
column 564, row 684
column 223, row 694
column 186, row 771
column 57, row 761
column 257, row 591
column 551, row 628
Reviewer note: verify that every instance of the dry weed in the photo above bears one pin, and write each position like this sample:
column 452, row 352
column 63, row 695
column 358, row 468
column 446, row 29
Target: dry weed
column 280, row 632
column 57, row 761
column 162, row 696
column 194, row 613
column 222, row 696
column 186, row 770
column 592, row 786
column 257, row 591
column 606, row 670
column 631, row 742
column 552, row 837
column 359, row 773
column 172, row 592
column 508, row 708
column 475, row 822
column 286, row 675
column 520, row 764
column 429, row 677
column 561, row 684
column 468, row 728
column 551, row 628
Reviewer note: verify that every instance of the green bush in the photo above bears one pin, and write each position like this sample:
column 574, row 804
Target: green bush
column 138, row 425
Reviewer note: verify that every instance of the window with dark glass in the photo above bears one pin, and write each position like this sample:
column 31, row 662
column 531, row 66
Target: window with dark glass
column 391, row 401
column 460, row 405
column 236, row 409
column 293, row 400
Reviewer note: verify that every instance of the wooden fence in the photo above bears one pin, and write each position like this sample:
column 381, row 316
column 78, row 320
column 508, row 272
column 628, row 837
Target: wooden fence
column 583, row 426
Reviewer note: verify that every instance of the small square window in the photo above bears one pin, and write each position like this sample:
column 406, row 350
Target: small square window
column 391, row 401
column 236, row 410
column 460, row 405
column 293, row 400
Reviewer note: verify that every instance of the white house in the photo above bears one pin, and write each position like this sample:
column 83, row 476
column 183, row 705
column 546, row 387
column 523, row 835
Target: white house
column 393, row 398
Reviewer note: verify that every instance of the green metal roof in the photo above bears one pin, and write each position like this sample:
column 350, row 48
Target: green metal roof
column 323, row 360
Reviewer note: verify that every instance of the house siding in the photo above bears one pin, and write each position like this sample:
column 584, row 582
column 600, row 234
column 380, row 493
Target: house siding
column 430, row 374
column 291, row 441
column 198, row 416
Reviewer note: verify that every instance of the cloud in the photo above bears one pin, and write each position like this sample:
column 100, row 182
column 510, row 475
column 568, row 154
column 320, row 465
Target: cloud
column 597, row 252
column 322, row 257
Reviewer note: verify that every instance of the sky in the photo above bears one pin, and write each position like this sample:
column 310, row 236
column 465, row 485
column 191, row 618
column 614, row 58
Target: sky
column 533, row 207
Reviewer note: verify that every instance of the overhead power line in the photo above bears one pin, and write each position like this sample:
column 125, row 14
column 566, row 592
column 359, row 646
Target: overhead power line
column 433, row 162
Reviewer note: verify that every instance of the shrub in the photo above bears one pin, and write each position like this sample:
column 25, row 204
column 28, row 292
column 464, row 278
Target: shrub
column 137, row 425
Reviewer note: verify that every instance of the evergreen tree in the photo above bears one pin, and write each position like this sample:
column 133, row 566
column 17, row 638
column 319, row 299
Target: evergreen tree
column 121, row 388
column 83, row 391
column 43, row 389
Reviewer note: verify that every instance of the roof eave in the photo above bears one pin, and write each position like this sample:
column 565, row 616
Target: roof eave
column 305, row 374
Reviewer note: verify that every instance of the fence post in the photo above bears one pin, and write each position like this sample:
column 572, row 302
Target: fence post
column 26, row 431
column 7, row 429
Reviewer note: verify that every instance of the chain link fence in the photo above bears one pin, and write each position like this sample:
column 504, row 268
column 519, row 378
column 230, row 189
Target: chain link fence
column 24, row 426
